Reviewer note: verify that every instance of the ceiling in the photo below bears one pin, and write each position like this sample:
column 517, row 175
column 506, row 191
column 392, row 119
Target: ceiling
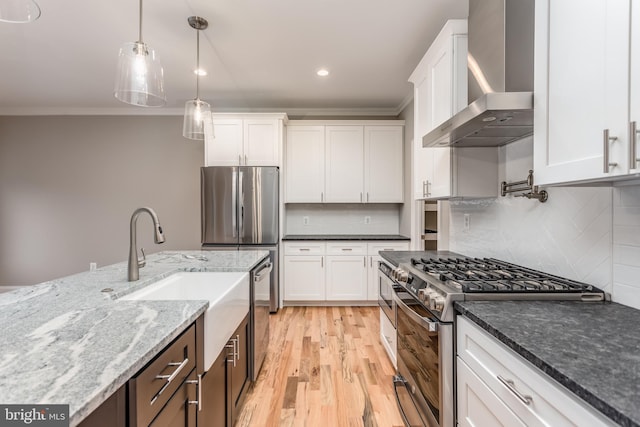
column 260, row 55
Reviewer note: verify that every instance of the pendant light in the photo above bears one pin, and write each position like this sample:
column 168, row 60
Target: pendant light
column 19, row 11
column 196, row 110
column 139, row 77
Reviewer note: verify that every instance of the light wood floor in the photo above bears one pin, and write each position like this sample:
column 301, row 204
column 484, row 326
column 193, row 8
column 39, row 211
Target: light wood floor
column 325, row 367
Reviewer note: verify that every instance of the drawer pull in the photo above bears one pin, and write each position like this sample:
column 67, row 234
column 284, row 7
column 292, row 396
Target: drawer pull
column 509, row 384
column 347, row 249
column 198, row 382
column 180, row 367
column 235, row 355
column 169, row 378
column 304, row 249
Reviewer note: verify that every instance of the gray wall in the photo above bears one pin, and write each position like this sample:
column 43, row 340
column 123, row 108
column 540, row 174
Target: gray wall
column 68, row 186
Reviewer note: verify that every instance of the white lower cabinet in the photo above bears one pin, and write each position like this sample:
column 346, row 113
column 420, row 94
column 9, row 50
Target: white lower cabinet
column 346, row 278
column 496, row 386
column 304, row 277
column 333, row 271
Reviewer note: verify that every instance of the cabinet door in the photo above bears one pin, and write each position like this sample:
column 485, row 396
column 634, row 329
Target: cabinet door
column 422, row 157
column 344, row 168
column 581, row 87
column 261, row 142
column 634, row 93
column 214, row 394
column 304, row 164
column 304, row 278
column 346, row 278
column 478, row 405
column 440, row 186
column 111, row 413
column 372, row 277
column 238, row 380
column 383, row 164
column 224, row 147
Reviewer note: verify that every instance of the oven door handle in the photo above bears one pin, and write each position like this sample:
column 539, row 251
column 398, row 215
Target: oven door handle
column 399, row 381
column 430, row 325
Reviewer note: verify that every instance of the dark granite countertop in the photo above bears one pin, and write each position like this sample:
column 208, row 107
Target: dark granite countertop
column 593, row 349
column 345, row 237
column 398, row 257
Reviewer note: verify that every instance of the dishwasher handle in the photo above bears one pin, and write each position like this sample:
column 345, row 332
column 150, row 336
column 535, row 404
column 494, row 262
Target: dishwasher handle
column 263, row 272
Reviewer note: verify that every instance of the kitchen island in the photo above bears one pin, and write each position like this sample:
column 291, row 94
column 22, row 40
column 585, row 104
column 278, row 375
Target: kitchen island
column 72, row 341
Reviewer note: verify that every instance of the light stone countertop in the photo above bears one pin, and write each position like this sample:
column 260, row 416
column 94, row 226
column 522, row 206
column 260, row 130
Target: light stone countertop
column 66, row 342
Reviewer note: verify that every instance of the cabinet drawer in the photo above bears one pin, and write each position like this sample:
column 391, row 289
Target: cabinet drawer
column 532, row 395
column 374, row 248
column 304, row 248
column 346, row 248
column 150, row 390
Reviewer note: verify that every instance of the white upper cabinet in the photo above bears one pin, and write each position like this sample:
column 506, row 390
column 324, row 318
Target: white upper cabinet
column 304, row 164
column 634, row 92
column 244, row 140
column 383, row 164
column 582, row 60
column 440, row 91
column 344, row 162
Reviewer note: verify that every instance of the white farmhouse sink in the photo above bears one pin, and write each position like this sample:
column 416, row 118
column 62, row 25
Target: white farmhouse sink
column 228, row 296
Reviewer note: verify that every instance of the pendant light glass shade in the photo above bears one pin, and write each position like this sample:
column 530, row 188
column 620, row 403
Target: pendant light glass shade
column 196, row 110
column 19, row 11
column 139, row 76
column 195, row 113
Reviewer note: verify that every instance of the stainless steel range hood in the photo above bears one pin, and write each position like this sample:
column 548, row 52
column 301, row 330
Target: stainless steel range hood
column 500, row 78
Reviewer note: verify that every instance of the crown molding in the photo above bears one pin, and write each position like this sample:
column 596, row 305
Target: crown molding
column 142, row 111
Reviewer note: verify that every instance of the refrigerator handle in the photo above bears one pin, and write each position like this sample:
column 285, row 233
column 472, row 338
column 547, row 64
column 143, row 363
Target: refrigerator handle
column 240, row 196
column 234, row 204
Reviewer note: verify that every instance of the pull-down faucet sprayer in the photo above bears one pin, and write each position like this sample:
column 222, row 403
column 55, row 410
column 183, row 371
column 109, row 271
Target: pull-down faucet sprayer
column 133, row 270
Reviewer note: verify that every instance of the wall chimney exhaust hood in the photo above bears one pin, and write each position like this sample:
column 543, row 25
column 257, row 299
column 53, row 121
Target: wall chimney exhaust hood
column 500, row 78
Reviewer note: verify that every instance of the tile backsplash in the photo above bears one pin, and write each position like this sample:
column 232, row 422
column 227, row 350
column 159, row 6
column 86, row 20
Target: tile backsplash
column 569, row 235
column 369, row 218
column 590, row 234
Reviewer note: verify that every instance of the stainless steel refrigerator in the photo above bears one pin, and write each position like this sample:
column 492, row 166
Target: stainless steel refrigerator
column 240, row 210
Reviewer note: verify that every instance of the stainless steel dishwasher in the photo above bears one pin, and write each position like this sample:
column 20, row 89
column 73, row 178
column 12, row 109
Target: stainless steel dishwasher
column 259, row 316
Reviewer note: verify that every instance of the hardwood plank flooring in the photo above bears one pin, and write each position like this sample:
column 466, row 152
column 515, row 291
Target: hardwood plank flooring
column 325, row 366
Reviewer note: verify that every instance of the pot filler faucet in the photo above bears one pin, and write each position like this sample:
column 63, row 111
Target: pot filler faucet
column 133, row 269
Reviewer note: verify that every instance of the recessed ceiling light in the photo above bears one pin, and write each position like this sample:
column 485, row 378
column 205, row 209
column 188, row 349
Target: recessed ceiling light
column 200, row 72
column 322, row 72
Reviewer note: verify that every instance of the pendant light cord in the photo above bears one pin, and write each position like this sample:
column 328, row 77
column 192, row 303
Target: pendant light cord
column 140, row 24
column 197, row 64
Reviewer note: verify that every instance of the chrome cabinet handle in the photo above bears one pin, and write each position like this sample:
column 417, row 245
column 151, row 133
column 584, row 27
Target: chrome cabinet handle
column 606, row 140
column 347, row 249
column 233, row 344
column 246, row 162
column 424, row 188
column 180, row 367
column 199, row 399
column 360, row 197
column 511, row 386
column 633, row 139
column 238, row 348
column 428, row 188
column 367, row 196
column 322, row 196
column 304, row 249
column 239, row 160
column 364, row 259
column 321, row 262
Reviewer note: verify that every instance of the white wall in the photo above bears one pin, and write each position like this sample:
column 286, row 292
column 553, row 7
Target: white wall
column 68, row 186
column 591, row 234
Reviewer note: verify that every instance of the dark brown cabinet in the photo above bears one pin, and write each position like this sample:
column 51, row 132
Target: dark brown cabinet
column 225, row 384
column 112, row 412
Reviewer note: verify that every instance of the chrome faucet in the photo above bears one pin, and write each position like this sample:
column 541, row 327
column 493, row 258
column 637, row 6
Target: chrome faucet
column 133, row 269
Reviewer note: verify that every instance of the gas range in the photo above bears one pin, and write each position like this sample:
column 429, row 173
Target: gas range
column 438, row 282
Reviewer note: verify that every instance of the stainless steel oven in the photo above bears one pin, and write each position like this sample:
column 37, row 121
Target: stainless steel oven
column 424, row 384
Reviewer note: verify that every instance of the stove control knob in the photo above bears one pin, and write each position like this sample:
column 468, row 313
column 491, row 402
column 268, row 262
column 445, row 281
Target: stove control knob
column 436, row 303
column 402, row 276
column 422, row 295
